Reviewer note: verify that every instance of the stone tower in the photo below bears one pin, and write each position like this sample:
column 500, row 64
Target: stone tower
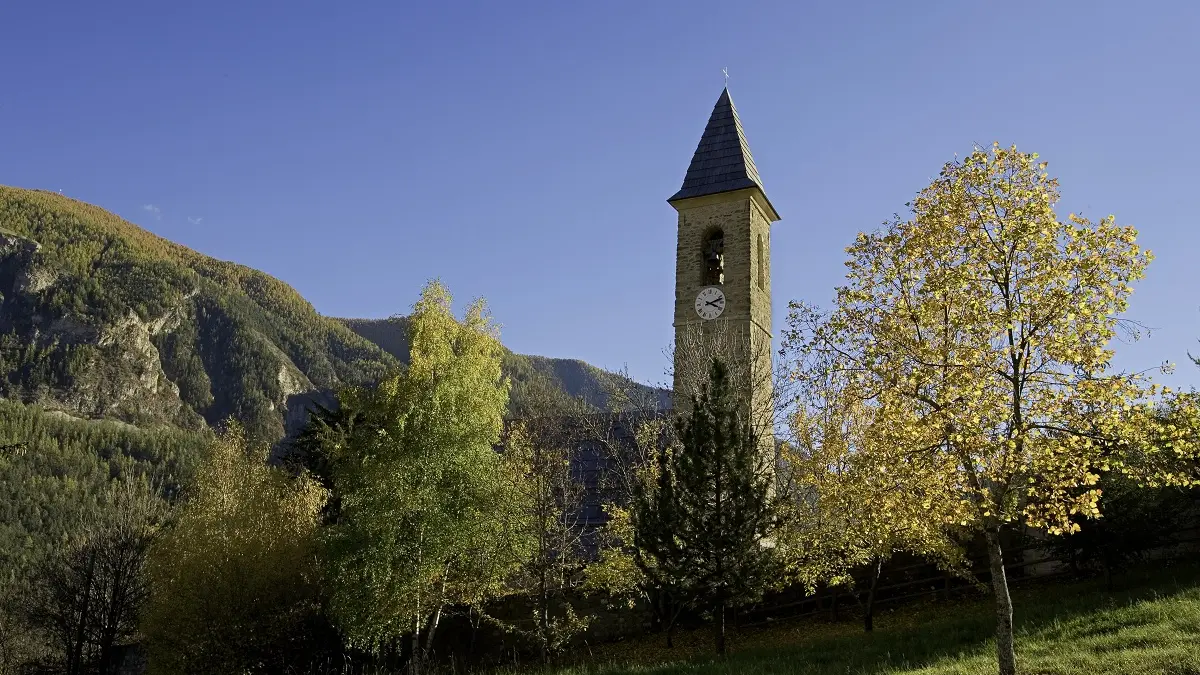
column 723, row 268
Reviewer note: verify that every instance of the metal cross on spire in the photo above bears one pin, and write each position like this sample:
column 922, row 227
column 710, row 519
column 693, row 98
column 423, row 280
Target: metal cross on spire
column 725, row 72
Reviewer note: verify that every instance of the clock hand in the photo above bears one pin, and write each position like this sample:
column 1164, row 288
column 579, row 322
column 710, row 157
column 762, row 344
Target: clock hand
column 713, row 302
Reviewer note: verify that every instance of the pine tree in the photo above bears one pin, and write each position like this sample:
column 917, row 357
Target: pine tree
column 705, row 524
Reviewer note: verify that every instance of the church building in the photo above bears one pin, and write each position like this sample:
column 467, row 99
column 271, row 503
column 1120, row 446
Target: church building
column 723, row 267
column 722, row 307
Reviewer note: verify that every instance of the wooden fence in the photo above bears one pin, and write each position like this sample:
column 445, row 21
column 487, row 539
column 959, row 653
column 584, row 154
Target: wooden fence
column 906, row 579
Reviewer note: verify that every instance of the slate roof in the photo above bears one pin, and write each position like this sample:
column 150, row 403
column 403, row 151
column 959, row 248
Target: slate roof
column 722, row 161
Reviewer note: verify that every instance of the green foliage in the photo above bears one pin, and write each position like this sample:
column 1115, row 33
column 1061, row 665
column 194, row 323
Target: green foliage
column 182, row 363
column 322, row 439
column 428, row 511
column 57, row 478
column 33, row 367
column 56, row 475
column 234, row 581
column 705, row 525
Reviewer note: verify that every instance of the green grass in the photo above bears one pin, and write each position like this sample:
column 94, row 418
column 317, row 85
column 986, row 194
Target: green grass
column 1148, row 623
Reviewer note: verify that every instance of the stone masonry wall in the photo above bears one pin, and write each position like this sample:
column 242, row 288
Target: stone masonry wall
column 743, row 221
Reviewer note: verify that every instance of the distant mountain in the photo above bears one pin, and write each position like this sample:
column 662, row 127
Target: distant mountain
column 100, row 319
column 571, row 378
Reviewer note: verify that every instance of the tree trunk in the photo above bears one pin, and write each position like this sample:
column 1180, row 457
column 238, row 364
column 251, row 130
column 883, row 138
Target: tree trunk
column 433, row 624
column 719, row 626
column 669, row 614
column 1005, row 654
column 75, row 660
column 414, row 659
column 869, row 612
column 544, row 618
column 475, row 620
column 670, row 621
column 108, row 635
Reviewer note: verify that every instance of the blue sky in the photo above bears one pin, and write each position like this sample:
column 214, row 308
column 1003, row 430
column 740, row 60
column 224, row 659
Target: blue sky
column 524, row 151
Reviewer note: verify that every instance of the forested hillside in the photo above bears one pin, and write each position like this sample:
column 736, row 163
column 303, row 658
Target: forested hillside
column 62, row 478
column 102, row 319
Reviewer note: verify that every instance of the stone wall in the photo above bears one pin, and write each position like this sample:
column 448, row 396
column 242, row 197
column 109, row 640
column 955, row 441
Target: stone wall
column 742, row 217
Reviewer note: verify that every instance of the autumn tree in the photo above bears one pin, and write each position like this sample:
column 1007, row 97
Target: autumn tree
column 706, row 521
column 234, row 582
column 841, row 512
column 979, row 330
column 541, row 444
column 428, row 515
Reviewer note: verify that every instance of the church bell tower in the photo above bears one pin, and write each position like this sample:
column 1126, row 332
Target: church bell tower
column 723, row 267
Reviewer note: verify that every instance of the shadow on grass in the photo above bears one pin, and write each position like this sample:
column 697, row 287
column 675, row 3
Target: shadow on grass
column 1054, row 624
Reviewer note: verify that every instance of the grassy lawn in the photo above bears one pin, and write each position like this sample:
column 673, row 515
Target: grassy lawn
column 1148, row 623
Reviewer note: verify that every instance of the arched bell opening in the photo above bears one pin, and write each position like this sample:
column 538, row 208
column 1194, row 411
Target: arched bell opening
column 713, row 253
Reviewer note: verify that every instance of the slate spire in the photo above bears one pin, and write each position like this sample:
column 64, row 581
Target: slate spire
column 722, row 161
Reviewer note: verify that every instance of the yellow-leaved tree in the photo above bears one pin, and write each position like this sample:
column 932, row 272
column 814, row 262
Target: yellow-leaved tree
column 235, row 580
column 978, row 330
column 843, row 509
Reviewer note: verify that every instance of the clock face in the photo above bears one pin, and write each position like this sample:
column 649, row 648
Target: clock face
column 710, row 302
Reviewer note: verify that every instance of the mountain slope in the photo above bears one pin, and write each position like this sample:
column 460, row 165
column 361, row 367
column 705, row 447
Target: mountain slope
column 101, row 319
column 573, row 378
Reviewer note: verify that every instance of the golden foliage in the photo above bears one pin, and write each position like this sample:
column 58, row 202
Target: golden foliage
column 844, row 510
column 979, row 334
column 237, row 574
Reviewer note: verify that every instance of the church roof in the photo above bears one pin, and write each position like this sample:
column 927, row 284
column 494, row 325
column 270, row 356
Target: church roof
column 722, row 161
